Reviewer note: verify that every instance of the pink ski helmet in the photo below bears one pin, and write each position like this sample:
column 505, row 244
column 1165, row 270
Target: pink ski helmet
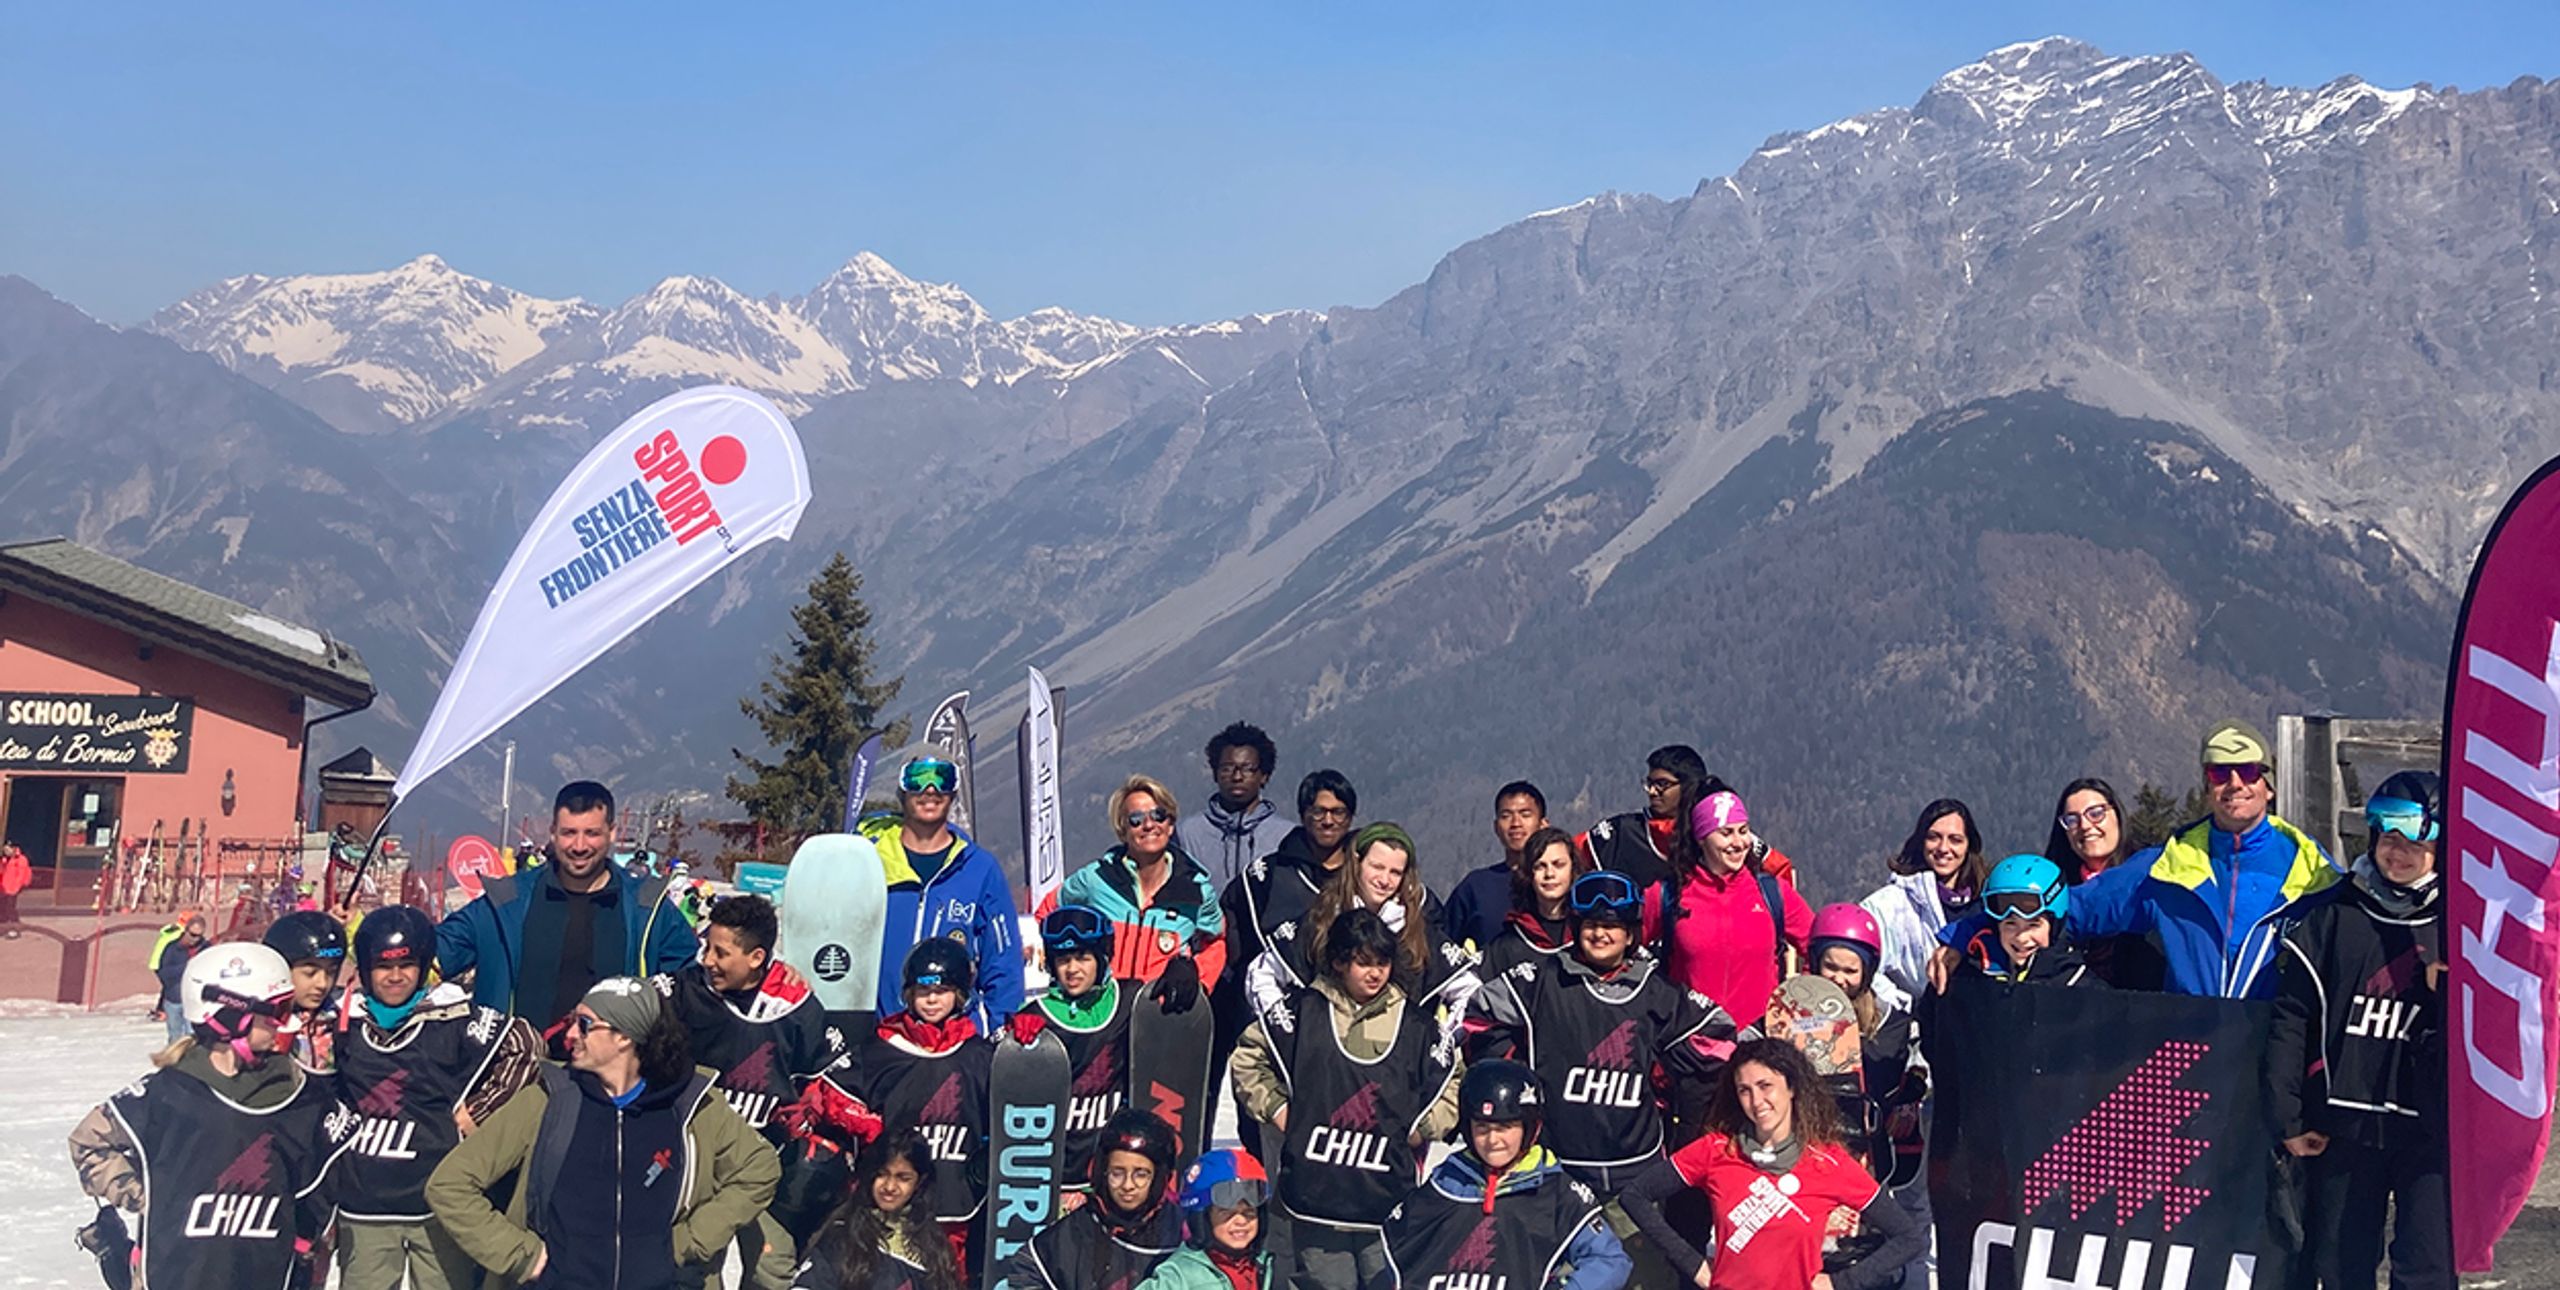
column 1849, row 926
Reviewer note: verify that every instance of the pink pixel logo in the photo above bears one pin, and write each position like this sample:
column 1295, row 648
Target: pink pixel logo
column 2130, row 1144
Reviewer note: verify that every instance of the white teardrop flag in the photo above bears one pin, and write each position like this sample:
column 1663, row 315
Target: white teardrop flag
column 696, row 480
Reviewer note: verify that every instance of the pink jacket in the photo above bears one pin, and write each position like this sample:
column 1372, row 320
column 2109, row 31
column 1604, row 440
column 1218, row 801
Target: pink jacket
column 1722, row 942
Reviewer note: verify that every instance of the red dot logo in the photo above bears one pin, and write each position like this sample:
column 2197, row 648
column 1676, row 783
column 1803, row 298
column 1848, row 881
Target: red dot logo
column 724, row 459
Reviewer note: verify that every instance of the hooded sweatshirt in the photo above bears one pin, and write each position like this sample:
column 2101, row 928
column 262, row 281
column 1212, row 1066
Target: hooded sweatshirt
column 1532, row 1225
column 1225, row 841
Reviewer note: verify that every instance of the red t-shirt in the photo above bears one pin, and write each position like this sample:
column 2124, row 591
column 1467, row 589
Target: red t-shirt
column 1769, row 1227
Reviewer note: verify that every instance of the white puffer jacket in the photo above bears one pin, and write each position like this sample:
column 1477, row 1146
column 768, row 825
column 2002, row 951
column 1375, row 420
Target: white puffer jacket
column 1908, row 911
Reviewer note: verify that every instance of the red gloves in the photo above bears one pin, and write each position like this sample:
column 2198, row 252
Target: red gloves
column 826, row 1111
column 1027, row 1025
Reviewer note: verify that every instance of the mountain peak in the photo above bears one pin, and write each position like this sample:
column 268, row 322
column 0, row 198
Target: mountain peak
column 869, row 267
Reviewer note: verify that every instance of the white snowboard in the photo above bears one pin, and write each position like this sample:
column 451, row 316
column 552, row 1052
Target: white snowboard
column 835, row 902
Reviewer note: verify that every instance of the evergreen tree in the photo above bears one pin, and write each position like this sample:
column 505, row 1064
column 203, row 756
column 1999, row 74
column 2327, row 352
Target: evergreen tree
column 815, row 711
column 2156, row 814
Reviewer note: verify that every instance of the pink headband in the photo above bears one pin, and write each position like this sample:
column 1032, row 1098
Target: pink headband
column 1718, row 811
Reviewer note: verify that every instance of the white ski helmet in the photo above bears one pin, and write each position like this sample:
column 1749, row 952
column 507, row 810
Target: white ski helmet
column 224, row 983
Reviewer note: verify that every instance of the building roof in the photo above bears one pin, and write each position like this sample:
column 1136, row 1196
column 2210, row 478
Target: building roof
column 360, row 764
column 166, row 611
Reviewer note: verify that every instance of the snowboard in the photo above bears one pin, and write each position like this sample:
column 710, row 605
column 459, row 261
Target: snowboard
column 1169, row 1068
column 1817, row 1017
column 835, row 903
column 1027, row 1101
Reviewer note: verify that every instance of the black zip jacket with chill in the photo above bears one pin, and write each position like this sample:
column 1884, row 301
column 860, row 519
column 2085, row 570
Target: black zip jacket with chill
column 2357, row 1047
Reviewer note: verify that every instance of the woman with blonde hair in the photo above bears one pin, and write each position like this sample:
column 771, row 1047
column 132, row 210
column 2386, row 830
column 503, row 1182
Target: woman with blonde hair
column 1167, row 926
column 1383, row 876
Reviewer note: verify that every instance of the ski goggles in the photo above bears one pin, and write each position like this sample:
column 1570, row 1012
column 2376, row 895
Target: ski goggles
column 1231, row 1194
column 1075, row 929
column 2017, row 906
column 1605, row 895
column 2399, row 815
column 928, row 775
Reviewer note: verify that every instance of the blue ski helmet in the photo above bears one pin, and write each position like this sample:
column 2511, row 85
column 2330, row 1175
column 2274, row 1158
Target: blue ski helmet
column 2026, row 886
column 1224, row 1179
column 2410, row 803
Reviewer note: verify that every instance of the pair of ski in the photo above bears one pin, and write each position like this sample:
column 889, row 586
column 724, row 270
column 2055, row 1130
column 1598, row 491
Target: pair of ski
column 835, row 903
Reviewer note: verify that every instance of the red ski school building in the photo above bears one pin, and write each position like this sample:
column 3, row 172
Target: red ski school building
column 132, row 702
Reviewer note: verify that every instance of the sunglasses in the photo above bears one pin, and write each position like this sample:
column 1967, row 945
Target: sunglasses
column 2015, row 906
column 1662, row 785
column 1151, row 815
column 2221, row 775
column 2093, row 817
column 582, row 1023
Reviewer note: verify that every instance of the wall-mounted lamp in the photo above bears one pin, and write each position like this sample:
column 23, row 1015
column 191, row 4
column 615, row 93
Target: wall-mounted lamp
column 230, row 793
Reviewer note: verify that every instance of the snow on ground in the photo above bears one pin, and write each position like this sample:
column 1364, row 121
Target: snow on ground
column 55, row 1064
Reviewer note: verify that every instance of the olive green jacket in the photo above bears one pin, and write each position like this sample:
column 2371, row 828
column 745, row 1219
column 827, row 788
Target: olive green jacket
column 730, row 1176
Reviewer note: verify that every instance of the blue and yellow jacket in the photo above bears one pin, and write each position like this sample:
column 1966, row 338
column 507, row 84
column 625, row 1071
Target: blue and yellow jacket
column 969, row 901
column 2218, row 904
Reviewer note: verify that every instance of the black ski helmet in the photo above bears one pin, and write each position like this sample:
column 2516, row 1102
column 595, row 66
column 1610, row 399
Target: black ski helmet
column 938, row 961
column 2420, row 788
column 395, row 934
column 1501, row 1089
column 307, row 935
column 1144, row 1132
column 1077, row 929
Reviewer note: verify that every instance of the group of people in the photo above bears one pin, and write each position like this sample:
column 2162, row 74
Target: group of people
column 1576, row 1071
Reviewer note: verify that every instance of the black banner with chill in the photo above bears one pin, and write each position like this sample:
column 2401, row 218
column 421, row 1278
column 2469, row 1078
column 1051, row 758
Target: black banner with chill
column 2101, row 1138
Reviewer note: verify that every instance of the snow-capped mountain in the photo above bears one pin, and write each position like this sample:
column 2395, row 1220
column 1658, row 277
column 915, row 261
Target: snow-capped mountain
column 372, row 350
column 1980, row 437
column 422, row 343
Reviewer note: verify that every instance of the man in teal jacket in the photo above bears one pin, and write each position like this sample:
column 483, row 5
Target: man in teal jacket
column 2221, row 893
column 538, row 941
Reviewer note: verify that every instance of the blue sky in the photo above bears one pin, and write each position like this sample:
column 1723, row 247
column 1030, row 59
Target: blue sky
column 1156, row 163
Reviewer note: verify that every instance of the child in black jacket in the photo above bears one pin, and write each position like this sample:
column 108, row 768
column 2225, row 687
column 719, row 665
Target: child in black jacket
column 2356, row 1063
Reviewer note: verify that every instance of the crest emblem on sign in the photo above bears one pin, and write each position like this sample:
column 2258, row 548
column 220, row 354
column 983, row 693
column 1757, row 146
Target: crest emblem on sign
column 160, row 747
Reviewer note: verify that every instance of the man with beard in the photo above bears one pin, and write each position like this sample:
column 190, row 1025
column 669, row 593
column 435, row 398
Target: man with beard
column 538, row 940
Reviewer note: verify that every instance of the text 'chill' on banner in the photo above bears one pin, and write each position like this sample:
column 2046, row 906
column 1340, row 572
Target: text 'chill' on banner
column 2095, row 1137
column 691, row 483
column 2502, row 826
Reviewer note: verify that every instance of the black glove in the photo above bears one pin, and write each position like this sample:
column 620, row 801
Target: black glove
column 1179, row 987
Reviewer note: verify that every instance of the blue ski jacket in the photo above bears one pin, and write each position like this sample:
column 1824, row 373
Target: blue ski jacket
column 969, row 901
column 487, row 935
column 2218, row 904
